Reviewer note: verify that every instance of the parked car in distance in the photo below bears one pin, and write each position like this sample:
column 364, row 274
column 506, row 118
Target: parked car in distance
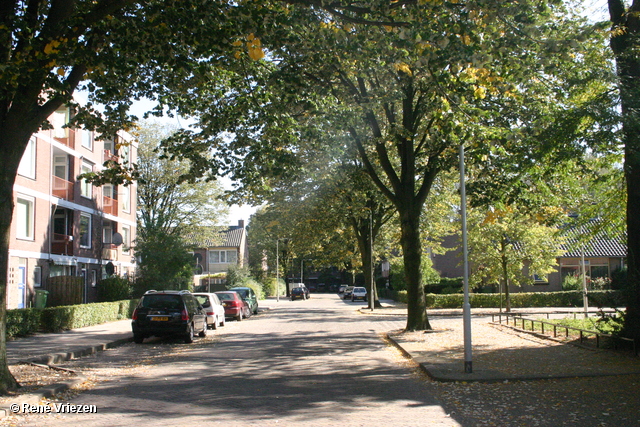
column 342, row 288
column 234, row 306
column 213, row 307
column 299, row 292
column 347, row 292
column 162, row 313
column 359, row 293
column 249, row 296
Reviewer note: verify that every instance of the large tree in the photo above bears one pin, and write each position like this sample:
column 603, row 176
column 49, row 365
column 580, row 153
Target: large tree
column 405, row 95
column 118, row 51
column 625, row 44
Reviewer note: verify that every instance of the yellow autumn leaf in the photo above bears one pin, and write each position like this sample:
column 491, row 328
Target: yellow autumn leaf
column 237, row 43
column 401, row 66
column 480, row 92
column 61, row 72
column 256, row 53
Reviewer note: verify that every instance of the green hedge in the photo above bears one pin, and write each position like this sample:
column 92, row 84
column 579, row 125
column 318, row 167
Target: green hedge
column 520, row 300
column 21, row 322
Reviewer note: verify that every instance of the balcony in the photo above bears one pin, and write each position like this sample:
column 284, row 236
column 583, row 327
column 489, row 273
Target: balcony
column 109, row 205
column 62, row 244
column 108, row 155
column 62, row 188
column 110, row 252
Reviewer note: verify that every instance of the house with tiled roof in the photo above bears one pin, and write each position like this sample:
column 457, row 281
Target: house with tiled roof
column 215, row 253
column 603, row 254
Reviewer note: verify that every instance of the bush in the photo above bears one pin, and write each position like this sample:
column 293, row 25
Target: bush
column 23, row 321
column 572, row 282
column 270, row 287
column 520, row 300
column 114, row 289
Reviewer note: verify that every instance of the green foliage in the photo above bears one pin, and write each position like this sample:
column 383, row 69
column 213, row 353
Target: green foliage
column 240, row 277
column 521, row 300
column 572, row 282
column 428, row 274
column 270, row 287
column 165, row 263
column 114, row 289
column 21, row 322
column 446, row 285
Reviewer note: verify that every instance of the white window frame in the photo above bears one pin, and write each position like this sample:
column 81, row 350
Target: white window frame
column 60, row 119
column 126, row 240
column 126, row 199
column 88, row 233
column 25, row 227
column 86, row 139
column 86, row 188
column 222, row 256
column 27, row 166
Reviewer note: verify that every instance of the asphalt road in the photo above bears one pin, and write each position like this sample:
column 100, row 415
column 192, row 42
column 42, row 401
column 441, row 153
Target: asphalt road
column 304, row 363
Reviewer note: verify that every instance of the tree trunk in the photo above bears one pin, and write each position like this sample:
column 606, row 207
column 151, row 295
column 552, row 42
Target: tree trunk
column 624, row 44
column 417, row 319
column 7, row 178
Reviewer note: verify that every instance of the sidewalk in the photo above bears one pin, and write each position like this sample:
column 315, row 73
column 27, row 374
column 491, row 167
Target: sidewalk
column 54, row 348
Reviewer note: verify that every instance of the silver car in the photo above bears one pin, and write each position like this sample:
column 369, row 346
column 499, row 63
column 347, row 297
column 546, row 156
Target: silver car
column 213, row 307
column 359, row 293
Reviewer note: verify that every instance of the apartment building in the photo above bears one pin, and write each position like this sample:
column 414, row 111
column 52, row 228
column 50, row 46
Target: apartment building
column 63, row 226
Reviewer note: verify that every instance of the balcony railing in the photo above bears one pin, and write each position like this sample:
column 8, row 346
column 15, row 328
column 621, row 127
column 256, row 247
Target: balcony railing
column 108, row 155
column 62, row 188
column 62, row 244
column 109, row 205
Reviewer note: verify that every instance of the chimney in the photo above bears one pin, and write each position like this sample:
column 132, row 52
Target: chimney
column 241, row 223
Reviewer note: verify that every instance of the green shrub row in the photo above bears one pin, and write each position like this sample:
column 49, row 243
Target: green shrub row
column 520, row 300
column 21, row 322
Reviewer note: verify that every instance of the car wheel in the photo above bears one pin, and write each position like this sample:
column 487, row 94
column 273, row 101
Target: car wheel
column 239, row 316
column 248, row 313
column 138, row 338
column 188, row 336
column 203, row 332
column 256, row 310
column 352, row 299
column 222, row 321
column 215, row 323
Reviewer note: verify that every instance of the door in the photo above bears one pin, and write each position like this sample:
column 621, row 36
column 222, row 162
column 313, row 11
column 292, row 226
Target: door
column 22, row 285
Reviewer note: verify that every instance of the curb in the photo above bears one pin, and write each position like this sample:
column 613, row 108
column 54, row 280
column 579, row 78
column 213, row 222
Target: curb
column 451, row 373
column 51, row 390
column 43, row 393
column 53, row 358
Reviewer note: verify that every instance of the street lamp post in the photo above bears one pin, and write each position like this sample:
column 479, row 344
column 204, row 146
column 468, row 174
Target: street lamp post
column 466, row 307
column 278, row 269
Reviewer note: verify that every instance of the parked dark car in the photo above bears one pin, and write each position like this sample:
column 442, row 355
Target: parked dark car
column 299, row 292
column 234, row 306
column 162, row 313
column 249, row 296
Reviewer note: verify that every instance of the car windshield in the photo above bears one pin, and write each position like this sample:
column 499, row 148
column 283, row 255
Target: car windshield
column 203, row 300
column 358, row 289
column 167, row 302
column 243, row 292
column 226, row 296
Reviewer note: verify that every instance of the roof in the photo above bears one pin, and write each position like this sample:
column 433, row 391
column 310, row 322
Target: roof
column 226, row 237
column 602, row 244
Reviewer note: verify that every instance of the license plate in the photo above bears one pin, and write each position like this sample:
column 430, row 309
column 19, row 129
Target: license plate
column 160, row 319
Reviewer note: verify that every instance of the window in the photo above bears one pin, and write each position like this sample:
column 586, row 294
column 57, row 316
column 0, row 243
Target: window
column 28, row 163
column 60, row 167
column 25, row 218
column 126, row 198
column 86, row 187
column 86, row 137
column 107, row 233
column 223, row 257
column 107, row 191
column 126, row 240
column 37, row 276
column 59, row 119
column 85, row 230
